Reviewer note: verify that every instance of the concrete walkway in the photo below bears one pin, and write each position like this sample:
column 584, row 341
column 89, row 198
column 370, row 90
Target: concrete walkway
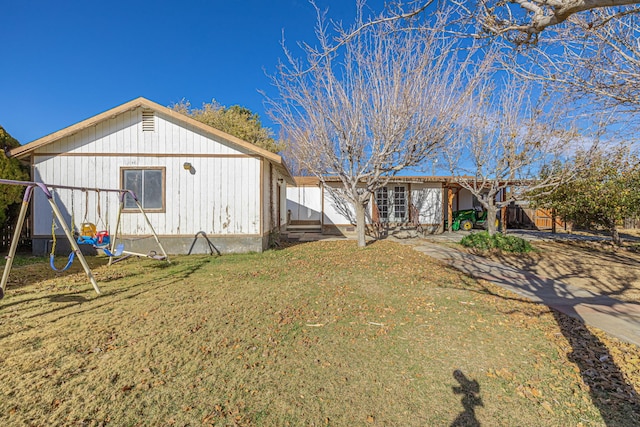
column 618, row 318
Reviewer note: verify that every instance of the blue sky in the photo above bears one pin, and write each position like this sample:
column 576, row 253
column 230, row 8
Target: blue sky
column 64, row 61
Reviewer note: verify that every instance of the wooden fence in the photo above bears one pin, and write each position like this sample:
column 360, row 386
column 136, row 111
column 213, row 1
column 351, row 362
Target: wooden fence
column 6, row 234
column 539, row 219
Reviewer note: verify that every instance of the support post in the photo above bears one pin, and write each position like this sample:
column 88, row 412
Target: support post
column 115, row 235
column 16, row 236
column 449, row 209
column 74, row 244
column 155, row 236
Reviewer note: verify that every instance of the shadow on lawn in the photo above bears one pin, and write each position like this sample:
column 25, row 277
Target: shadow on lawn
column 74, row 303
column 470, row 391
column 616, row 399
column 591, row 266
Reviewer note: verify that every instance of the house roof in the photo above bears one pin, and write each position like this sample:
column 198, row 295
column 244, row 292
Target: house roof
column 25, row 150
column 303, row 181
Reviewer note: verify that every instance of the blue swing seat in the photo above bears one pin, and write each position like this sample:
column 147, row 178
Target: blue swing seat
column 72, row 256
column 118, row 252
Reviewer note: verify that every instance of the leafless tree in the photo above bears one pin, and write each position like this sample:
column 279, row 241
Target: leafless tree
column 523, row 20
column 589, row 48
column 507, row 138
column 382, row 101
column 596, row 60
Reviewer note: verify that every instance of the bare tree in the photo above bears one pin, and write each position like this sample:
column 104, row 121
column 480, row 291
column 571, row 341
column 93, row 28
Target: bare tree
column 523, row 20
column 597, row 59
column 505, row 141
column 384, row 101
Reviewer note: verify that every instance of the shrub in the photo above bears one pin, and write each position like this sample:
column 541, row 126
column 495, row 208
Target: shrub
column 483, row 242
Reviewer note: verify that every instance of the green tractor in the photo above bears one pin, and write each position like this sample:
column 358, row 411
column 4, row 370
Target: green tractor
column 469, row 218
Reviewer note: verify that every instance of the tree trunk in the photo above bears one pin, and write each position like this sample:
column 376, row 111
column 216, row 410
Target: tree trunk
column 361, row 224
column 491, row 218
column 615, row 236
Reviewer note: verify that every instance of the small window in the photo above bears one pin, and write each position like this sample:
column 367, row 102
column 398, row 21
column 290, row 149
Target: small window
column 148, row 185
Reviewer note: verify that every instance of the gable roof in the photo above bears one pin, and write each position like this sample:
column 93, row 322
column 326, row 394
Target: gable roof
column 25, row 150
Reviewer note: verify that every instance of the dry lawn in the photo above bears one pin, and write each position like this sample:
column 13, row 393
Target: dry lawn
column 314, row 334
column 597, row 266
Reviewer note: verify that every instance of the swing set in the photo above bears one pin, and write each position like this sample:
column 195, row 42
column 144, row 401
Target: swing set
column 87, row 234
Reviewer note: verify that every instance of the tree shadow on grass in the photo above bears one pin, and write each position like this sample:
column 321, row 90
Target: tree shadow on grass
column 68, row 304
column 616, row 399
column 607, row 272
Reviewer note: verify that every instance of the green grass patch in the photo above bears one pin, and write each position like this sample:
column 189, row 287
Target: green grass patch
column 23, row 259
column 483, row 241
column 316, row 334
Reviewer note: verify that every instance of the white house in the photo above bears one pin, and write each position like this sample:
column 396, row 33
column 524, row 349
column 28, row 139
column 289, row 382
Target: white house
column 406, row 202
column 190, row 178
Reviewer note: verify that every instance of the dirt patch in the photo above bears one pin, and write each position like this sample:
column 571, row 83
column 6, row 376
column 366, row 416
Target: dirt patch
column 594, row 265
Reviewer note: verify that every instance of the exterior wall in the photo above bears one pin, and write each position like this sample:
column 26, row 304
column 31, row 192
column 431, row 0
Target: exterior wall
column 339, row 217
column 274, row 189
column 427, row 198
column 305, row 203
column 172, row 244
column 337, row 211
column 220, row 196
column 465, row 200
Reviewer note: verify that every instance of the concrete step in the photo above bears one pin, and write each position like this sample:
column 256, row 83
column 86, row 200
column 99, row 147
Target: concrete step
column 304, row 228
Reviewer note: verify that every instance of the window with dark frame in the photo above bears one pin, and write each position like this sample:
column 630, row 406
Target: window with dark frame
column 148, row 184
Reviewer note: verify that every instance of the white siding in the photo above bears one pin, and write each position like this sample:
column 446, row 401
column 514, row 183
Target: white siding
column 305, row 203
column 336, row 210
column 427, row 198
column 222, row 196
column 465, row 200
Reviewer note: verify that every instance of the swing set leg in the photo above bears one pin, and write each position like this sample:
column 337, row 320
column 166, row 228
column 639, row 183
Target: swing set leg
column 74, row 245
column 14, row 241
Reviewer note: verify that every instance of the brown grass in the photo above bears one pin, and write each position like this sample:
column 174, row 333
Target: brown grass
column 597, row 266
column 315, row 334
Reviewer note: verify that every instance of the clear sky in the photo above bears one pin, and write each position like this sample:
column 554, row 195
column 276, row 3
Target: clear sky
column 64, row 61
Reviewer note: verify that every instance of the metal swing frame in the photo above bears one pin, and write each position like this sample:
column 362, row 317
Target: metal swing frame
column 26, row 199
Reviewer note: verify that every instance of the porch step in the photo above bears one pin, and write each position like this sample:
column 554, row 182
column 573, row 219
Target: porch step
column 304, row 228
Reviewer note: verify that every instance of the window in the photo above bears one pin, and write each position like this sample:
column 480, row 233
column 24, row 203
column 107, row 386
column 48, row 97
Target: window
column 399, row 204
column 147, row 184
column 382, row 202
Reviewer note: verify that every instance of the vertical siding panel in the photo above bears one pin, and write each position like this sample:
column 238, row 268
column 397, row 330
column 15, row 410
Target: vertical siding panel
column 255, row 198
column 175, row 135
column 251, row 191
column 197, row 142
column 89, row 136
column 199, row 188
column 223, row 202
column 214, row 176
column 119, row 124
column 140, row 140
column 206, row 201
column 238, row 196
column 161, row 137
column 182, row 207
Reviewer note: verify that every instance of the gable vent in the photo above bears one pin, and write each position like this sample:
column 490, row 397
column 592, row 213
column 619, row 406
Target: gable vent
column 148, row 122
